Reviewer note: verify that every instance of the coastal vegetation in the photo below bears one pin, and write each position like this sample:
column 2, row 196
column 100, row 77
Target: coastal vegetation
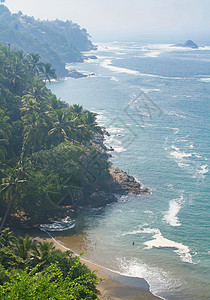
column 36, row 270
column 57, row 42
column 47, row 151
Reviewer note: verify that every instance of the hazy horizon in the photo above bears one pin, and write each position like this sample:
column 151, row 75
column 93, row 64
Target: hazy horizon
column 158, row 20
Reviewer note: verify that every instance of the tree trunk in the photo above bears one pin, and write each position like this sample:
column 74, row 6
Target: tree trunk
column 7, row 212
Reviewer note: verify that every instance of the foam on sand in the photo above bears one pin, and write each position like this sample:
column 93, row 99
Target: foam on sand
column 158, row 279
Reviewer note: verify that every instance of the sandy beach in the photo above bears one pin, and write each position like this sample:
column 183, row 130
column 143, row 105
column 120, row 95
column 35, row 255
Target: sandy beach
column 113, row 285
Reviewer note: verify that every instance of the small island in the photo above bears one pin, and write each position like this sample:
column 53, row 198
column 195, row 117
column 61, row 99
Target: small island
column 187, row 44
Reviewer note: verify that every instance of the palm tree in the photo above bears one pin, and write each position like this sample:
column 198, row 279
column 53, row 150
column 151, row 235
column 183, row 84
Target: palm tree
column 6, row 238
column 91, row 124
column 48, row 72
column 34, row 132
column 29, row 105
column 59, row 125
column 12, row 187
column 23, row 247
column 16, row 72
column 76, row 108
column 5, row 133
column 44, row 249
column 34, row 63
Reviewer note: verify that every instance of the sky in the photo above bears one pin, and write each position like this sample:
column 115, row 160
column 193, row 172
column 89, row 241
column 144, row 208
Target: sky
column 125, row 19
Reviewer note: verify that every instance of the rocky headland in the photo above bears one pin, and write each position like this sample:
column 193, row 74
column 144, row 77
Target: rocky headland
column 116, row 183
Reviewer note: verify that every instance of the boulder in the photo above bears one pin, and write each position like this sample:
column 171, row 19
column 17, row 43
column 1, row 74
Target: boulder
column 101, row 198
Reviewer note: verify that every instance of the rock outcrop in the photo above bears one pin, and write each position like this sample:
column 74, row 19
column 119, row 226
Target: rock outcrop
column 75, row 74
column 187, row 44
column 101, row 198
column 122, row 183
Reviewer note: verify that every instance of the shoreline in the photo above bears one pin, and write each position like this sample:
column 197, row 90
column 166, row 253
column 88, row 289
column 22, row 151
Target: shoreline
column 114, row 286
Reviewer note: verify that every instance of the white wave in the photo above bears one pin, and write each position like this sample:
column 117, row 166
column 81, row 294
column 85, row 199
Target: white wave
column 115, row 130
column 152, row 54
column 170, row 186
column 134, row 232
column 121, row 53
column 160, row 242
column 62, row 225
column 146, row 90
column 180, row 155
column 175, row 148
column 162, row 77
column 192, row 162
column 183, row 165
column 175, row 206
column 107, row 63
column 100, row 117
column 204, row 79
column 149, row 212
column 202, row 171
column 119, row 149
column 158, row 279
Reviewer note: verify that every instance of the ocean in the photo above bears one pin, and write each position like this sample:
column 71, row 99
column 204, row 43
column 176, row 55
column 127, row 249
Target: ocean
column 154, row 100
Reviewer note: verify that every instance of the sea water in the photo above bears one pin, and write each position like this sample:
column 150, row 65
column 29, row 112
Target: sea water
column 154, row 100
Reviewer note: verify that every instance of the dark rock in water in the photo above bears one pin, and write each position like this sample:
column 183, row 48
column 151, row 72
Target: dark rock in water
column 122, row 183
column 85, row 57
column 75, row 74
column 101, row 198
column 101, row 193
column 110, row 149
column 187, row 44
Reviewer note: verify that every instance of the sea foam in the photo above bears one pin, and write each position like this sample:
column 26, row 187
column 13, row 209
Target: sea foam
column 107, row 63
column 62, row 225
column 170, row 216
column 159, row 241
column 158, row 279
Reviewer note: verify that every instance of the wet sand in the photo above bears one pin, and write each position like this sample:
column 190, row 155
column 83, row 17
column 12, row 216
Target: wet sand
column 113, row 285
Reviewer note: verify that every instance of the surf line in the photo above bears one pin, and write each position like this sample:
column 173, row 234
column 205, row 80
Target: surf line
column 145, row 285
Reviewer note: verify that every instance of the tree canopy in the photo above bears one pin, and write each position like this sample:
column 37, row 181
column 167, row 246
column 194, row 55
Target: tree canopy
column 36, row 270
column 44, row 142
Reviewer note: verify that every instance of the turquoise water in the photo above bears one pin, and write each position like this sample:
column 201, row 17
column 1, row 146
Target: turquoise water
column 154, row 100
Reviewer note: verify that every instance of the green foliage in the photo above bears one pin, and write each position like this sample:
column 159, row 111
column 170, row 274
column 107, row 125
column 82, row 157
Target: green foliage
column 35, row 270
column 47, row 284
column 57, row 42
column 42, row 137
